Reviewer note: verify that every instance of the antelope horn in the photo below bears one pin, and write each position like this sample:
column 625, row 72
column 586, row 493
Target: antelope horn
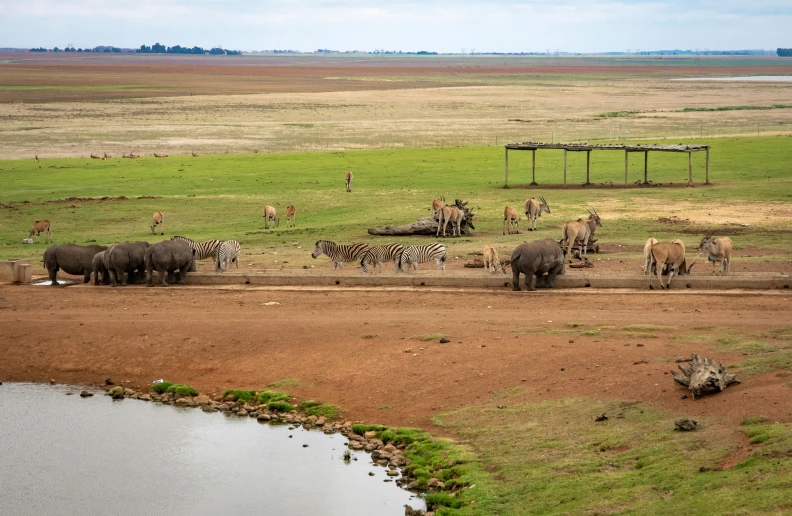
column 690, row 267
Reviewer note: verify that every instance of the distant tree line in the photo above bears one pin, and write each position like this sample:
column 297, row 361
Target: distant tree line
column 72, row 49
column 784, row 52
column 158, row 48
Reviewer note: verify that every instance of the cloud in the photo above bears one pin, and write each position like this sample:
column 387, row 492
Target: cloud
column 442, row 25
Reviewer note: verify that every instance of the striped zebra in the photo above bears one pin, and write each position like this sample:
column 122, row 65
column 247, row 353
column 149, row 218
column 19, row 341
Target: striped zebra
column 339, row 253
column 227, row 253
column 202, row 250
column 380, row 254
column 415, row 254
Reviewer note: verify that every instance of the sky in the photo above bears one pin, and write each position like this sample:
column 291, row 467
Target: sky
column 407, row 25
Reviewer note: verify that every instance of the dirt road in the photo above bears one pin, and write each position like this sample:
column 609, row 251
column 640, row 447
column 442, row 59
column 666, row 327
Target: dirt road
column 358, row 349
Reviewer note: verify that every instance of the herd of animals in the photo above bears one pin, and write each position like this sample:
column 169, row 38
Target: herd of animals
column 540, row 261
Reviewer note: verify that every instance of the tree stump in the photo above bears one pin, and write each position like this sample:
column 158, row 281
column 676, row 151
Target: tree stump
column 702, row 374
column 427, row 225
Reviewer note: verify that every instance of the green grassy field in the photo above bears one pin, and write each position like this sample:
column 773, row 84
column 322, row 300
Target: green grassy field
column 222, row 196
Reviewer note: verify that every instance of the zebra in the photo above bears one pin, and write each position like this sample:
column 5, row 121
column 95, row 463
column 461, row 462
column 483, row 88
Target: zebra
column 227, row 253
column 380, row 254
column 202, row 250
column 339, row 253
column 415, row 254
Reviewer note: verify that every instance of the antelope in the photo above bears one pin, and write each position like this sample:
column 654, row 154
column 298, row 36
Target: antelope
column 133, row 156
column 534, row 209
column 580, row 231
column 106, row 156
column 270, row 215
column 158, row 220
column 510, row 217
column 291, row 211
column 348, row 179
column 492, row 260
column 718, row 251
column 437, row 205
column 41, row 226
column 670, row 258
column 450, row 214
column 195, row 154
column 95, row 157
column 160, row 155
column 648, row 255
column 36, row 159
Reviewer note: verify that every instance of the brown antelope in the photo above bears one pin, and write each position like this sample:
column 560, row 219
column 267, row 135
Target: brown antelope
column 36, row 159
column 195, row 154
column 95, row 157
column 648, row 255
column 534, row 209
column 133, row 156
column 670, row 259
column 41, row 226
column 270, row 215
column 106, row 156
column 450, row 214
column 160, row 155
column 437, row 205
column 291, row 211
column 158, row 220
column 510, row 218
column 348, row 179
column 492, row 260
column 718, row 251
column 580, row 231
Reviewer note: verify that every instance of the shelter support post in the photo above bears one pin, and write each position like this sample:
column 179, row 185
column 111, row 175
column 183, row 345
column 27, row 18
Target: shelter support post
column 533, row 167
column 706, row 181
column 646, row 167
column 565, row 166
column 588, row 167
column 690, row 169
column 506, row 173
column 626, row 165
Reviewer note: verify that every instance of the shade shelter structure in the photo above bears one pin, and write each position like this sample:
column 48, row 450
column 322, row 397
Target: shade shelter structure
column 627, row 149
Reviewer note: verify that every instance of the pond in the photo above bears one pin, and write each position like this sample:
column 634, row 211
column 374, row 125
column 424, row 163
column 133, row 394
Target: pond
column 66, row 455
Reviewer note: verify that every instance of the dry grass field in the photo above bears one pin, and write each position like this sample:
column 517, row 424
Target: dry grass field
column 74, row 105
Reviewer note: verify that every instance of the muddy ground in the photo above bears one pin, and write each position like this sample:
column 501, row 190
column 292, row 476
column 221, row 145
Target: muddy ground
column 358, row 348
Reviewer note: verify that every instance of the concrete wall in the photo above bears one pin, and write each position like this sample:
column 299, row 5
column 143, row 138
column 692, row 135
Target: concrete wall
column 15, row 271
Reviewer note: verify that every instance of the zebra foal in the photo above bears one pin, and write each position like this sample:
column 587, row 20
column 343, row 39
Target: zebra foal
column 339, row 253
column 227, row 253
column 380, row 254
column 415, row 254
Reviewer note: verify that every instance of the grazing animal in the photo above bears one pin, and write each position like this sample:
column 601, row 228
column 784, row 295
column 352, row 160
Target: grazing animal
column 437, row 205
column 339, row 253
column 41, row 226
column 415, row 254
column 167, row 257
column 36, row 159
column 133, row 156
column 195, row 154
column 380, row 254
column 291, row 211
column 671, row 256
column 270, row 215
column 348, row 180
column 535, row 259
column 203, row 250
column 510, row 218
column 160, row 155
column 95, row 157
column 72, row 259
column 648, row 255
column 534, row 209
column 227, row 253
column 580, row 231
column 158, row 220
column 99, row 269
column 127, row 258
column 451, row 214
column 718, row 251
column 106, row 156
column 492, row 260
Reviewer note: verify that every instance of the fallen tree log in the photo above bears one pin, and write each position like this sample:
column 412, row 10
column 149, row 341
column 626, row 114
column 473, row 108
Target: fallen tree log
column 427, row 225
column 702, row 374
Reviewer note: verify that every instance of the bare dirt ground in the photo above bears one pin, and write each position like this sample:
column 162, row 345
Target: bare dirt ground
column 357, row 348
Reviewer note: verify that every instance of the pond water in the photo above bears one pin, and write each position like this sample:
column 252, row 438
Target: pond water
column 750, row 78
column 66, row 455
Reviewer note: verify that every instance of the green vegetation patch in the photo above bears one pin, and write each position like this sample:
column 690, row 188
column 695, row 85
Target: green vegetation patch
column 369, row 336
column 646, row 327
column 763, row 355
column 314, row 408
column 280, row 406
column 736, row 108
column 160, row 388
column 272, row 396
column 285, row 383
column 241, row 395
column 181, row 390
column 554, row 458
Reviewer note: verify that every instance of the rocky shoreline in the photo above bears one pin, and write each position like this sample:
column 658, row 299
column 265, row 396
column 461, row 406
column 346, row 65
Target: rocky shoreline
column 386, row 455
